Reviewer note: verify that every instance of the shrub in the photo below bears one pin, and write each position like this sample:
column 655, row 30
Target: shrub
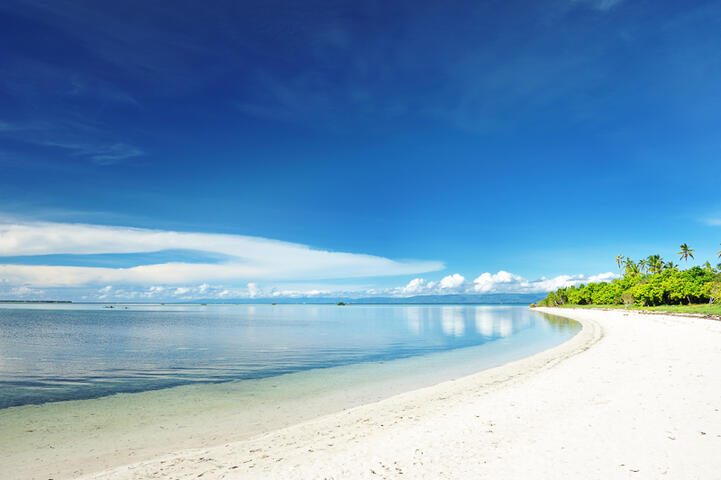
column 665, row 287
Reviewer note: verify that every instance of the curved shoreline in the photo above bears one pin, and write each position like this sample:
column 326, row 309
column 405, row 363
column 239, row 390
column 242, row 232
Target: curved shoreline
column 643, row 403
column 64, row 440
column 266, row 453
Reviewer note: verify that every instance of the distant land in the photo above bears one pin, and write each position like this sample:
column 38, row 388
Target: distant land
column 485, row 299
column 471, row 299
column 35, row 301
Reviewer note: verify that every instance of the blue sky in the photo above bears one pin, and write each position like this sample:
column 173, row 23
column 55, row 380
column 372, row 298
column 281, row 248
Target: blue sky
column 417, row 140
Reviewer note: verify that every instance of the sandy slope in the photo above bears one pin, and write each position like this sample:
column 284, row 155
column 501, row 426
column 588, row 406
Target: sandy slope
column 632, row 396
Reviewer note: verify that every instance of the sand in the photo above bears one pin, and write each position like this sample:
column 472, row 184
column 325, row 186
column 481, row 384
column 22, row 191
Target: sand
column 631, row 396
column 65, row 440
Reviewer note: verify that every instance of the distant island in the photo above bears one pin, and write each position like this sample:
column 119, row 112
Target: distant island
column 36, row 301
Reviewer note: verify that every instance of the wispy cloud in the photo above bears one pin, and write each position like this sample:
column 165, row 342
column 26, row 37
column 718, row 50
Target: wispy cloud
column 99, row 153
column 602, row 5
column 252, row 267
column 30, row 79
column 71, row 137
column 251, row 258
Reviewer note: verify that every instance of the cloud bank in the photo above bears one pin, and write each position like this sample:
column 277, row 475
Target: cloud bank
column 486, row 283
column 245, row 258
column 250, row 267
column 500, row 282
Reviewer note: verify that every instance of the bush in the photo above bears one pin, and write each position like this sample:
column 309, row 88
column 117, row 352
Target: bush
column 666, row 287
column 628, row 299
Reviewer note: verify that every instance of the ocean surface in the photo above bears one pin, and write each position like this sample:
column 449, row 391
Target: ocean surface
column 58, row 352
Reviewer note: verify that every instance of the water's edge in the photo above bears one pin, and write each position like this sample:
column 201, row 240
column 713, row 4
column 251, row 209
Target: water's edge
column 152, row 423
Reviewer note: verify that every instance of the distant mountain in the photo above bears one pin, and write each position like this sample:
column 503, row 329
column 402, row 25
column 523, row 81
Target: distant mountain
column 488, row 299
column 482, row 299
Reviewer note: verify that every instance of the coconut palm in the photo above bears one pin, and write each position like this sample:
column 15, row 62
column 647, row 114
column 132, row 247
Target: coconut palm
column 631, row 267
column 655, row 263
column 685, row 252
column 642, row 264
column 627, row 263
column 670, row 266
column 719, row 253
column 619, row 260
column 707, row 266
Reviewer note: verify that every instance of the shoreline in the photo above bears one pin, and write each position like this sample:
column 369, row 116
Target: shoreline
column 327, row 430
column 63, row 440
column 630, row 396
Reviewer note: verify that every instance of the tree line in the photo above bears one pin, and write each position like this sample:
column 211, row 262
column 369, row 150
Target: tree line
column 651, row 281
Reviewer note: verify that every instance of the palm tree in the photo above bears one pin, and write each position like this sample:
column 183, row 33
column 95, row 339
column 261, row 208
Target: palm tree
column 619, row 260
column 631, row 267
column 719, row 252
column 642, row 265
column 670, row 266
column 655, row 263
column 685, row 252
column 707, row 266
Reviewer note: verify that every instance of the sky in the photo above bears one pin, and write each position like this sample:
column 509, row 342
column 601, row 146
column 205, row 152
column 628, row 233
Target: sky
column 172, row 150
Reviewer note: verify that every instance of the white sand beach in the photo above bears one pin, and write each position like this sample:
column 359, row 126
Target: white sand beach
column 631, row 396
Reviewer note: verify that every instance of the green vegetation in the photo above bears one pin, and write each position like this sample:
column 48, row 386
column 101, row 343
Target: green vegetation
column 650, row 284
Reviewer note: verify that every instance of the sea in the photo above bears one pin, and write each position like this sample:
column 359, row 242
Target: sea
column 70, row 352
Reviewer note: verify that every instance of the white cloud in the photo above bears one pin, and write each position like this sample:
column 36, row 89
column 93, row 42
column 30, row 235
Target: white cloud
column 500, row 282
column 253, row 290
column 415, row 286
column 304, row 293
column 570, row 280
column 248, row 258
column 205, row 291
column 487, row 282
column 452, row 282
column 253, row 268
column 105, row 292
column 24, row 291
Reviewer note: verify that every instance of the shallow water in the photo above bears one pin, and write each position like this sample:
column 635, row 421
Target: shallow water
column 89, row 382
column 52, row 353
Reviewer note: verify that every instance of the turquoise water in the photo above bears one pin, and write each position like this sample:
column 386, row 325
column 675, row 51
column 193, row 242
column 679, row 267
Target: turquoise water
column 52, row 353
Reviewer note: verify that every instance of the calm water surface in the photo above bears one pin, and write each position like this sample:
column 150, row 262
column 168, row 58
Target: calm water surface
column 64, row 352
